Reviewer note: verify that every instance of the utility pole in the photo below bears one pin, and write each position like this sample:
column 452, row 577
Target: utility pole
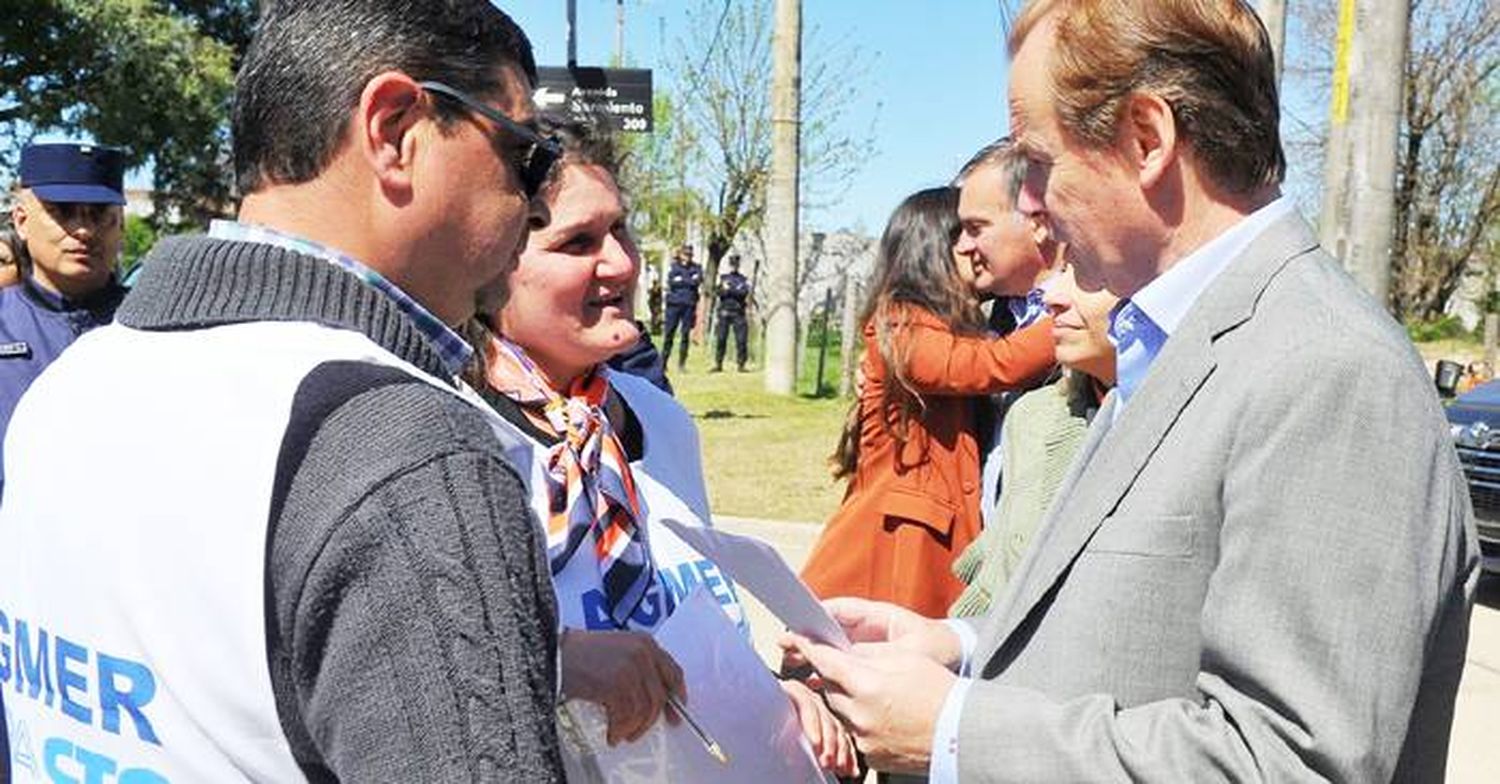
column 620, row 34
column 1333, row 221
column 572, row 34
column 1359, row 197
column 848, row 340
column 781, row 201
column 1382, row 49
column 827, row 333
column 1273, row 16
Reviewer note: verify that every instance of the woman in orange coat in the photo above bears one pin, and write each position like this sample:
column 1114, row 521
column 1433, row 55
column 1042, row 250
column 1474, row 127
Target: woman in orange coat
column 909, row 447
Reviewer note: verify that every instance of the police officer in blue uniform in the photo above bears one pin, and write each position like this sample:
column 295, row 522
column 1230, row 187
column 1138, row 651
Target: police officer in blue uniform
column 69, row 218
column 642, row 359
column 734, row 294
column 683, row 280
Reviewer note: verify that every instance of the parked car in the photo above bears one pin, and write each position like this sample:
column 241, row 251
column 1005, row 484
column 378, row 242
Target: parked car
column 1474, row 419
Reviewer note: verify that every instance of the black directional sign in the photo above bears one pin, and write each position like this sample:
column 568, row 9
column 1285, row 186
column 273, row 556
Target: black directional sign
column 619, row 98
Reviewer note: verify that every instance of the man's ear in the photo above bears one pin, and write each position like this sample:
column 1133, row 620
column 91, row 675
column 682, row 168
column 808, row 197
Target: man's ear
column 1149, row 136
column 1040, row 232
column 390, row 108
column 19, row 216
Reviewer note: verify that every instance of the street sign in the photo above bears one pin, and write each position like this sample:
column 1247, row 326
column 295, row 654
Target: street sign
column 619, row 98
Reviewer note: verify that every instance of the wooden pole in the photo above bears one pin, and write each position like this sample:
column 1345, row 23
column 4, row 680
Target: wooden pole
column 780, row 297
column 827, row 330
column 848, row 340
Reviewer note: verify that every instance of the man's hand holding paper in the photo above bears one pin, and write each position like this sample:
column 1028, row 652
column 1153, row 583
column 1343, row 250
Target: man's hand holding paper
column 890, row 685
column 890, row 697
column 866, row 621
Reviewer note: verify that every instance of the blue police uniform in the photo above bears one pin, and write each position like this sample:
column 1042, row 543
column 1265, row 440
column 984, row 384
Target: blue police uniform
column 36, row 324
column 683, row 280
column 734, row 293
column 642, row 359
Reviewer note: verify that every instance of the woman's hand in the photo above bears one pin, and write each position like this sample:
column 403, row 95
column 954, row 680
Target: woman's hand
column 831, row 743
column 625, row 672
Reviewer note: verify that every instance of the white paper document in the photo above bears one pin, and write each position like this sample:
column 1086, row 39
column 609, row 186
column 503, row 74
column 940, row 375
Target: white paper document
column 759, row 569
column 730, row 693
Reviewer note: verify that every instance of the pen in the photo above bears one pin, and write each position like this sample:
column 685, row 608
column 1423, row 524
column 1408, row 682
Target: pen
column 709, row 743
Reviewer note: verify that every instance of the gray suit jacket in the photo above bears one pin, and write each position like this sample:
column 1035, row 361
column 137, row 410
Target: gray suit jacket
column 1261, row 572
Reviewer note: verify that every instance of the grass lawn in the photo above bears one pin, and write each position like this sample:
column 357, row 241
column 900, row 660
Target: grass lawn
column 1463, row 350
column 764, row 455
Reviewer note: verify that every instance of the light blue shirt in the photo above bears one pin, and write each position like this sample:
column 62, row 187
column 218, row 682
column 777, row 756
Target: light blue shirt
column 1155, row 312
column 943, row 765
column 1027, row 309
column 1137, row 340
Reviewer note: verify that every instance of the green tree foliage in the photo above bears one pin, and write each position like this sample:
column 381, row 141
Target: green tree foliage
column 153, row 77
column 139, row 236
column 1448, row 177
column 231, row 22
column 1447, row 200
column 722, row 119
column 655, row 173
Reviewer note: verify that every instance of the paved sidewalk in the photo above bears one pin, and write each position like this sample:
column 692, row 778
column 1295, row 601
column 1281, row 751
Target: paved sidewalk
column 1473, row 756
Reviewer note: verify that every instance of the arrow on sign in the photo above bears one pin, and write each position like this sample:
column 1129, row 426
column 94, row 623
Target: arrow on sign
column 546, row 98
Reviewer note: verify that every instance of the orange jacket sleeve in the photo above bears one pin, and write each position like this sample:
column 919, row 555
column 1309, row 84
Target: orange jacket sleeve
column 942, row 363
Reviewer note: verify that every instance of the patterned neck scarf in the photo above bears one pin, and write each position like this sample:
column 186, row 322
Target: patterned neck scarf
column 589, row 486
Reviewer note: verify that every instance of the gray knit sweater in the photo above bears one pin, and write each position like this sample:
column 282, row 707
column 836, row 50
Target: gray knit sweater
column 410, row 618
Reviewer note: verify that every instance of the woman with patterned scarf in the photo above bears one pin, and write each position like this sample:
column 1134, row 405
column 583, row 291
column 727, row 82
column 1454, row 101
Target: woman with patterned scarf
column 613, row 454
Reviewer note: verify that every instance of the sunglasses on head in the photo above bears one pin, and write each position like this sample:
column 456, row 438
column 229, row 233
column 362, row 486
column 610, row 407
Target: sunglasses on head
column 536, row 154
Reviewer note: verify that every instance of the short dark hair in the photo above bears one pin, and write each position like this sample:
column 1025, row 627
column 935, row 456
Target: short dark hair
column 1001, row 153
column 310, row 59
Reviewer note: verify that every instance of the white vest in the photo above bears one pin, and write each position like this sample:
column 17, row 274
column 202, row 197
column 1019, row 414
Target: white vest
column 132, row 581
column 669, row 476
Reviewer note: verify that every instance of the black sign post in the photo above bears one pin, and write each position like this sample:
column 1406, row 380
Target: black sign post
column 619, row 98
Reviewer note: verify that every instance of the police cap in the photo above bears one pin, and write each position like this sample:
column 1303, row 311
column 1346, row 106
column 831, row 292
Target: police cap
column 74, row 173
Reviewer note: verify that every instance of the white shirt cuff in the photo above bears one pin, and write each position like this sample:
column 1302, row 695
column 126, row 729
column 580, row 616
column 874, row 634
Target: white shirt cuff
column 943, row 766
column 967, row 642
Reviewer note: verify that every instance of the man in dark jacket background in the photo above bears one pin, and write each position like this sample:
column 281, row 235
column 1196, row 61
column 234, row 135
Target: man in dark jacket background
column 734, row 295
column 683, row 280
column 68, row 218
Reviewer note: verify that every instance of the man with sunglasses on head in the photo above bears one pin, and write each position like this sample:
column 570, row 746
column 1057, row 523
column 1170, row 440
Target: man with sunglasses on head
column 319, row 564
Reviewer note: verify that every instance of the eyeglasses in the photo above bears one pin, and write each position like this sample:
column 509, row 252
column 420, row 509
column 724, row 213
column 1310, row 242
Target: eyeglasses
column 94, row 214
column 532, row 160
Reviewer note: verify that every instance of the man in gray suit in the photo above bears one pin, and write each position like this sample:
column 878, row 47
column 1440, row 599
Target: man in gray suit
column 1262, row 565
